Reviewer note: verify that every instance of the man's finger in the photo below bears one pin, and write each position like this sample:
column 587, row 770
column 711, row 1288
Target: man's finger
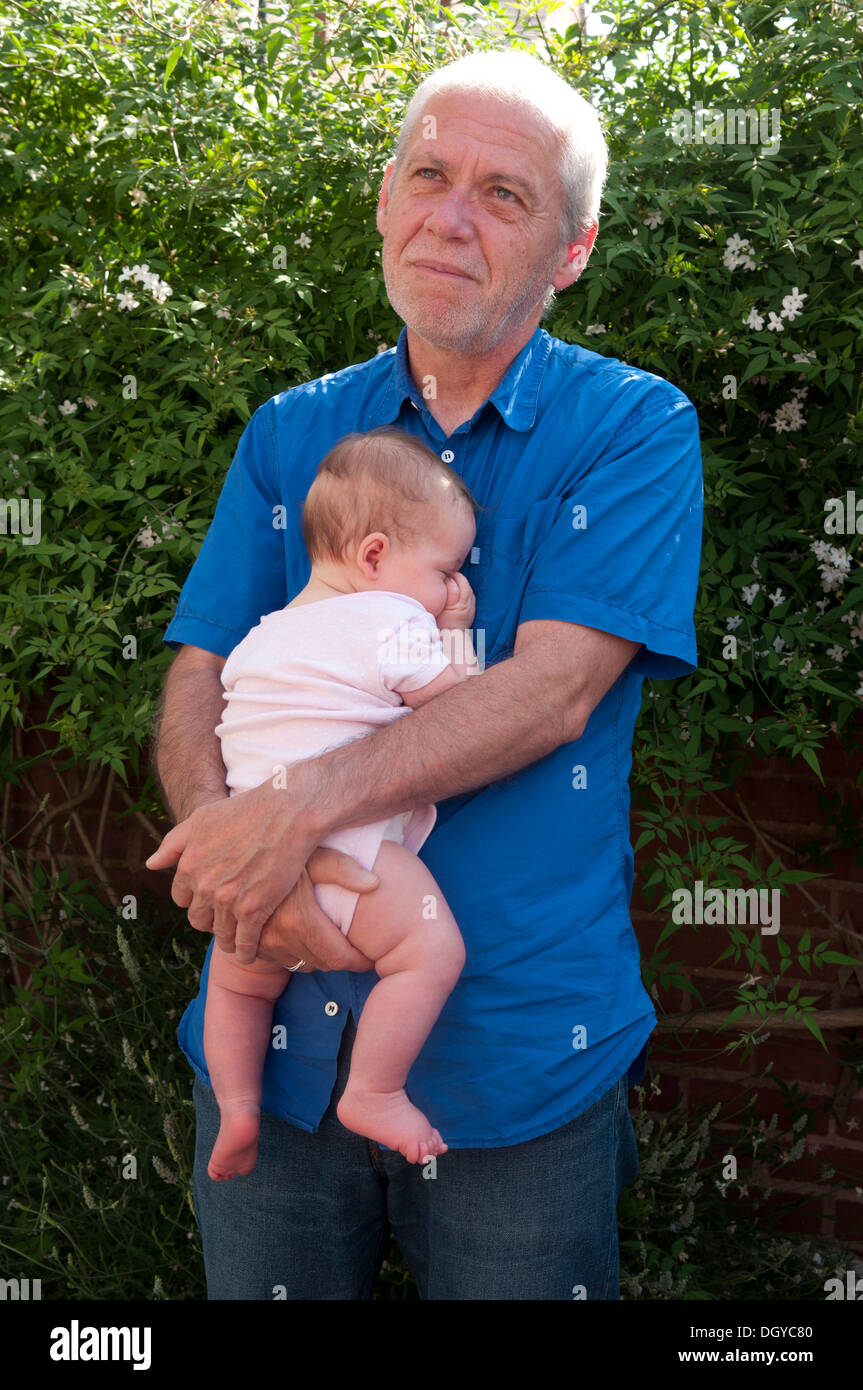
column 181, row 890
column 246, row 938
column 270, row 950
column 224, row 929
column 329, row 865
column 169, row 850
column 201, row 918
